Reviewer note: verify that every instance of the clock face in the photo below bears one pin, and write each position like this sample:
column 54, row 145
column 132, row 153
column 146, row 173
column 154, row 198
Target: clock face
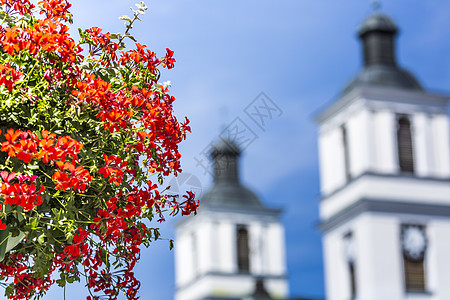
column 414, row 242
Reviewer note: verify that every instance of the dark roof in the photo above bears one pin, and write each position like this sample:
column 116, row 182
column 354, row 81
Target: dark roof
column 377, row 34
column 225, row 147
column 227, row 191
column 377, row 22
column 385, row 76
column 230, row 195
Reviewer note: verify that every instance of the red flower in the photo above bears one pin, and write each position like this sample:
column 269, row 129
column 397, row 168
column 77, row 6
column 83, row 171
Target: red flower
column 115, row 172
column 168, row 60
column 22, row 194
column 77, row 178
column 11, row 145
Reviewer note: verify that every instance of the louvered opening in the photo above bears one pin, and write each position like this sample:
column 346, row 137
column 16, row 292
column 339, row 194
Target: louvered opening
column 352, row 280
column 243, row 259
column 414, row 275
column 404, row 143
column 346, row 153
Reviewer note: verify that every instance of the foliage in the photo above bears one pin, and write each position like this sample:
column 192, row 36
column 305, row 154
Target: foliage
column 83, row 126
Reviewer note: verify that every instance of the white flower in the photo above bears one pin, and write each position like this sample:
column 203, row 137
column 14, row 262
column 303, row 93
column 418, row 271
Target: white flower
column 141, row 6
column 167, row 84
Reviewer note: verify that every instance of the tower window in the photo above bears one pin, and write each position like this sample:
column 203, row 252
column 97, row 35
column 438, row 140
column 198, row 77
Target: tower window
column 350, row 257
column 414, row 245
column 346, row 152
column 404, row 143
column 414, row 275
column 351, row 266
column 243, row 257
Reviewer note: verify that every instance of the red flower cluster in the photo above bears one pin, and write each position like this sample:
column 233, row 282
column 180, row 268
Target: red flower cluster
column 25, row 145
column 24, row 282
column 21, row 193
column 23, row 7
column 55, row 9
column 79, row 245
column 168, row 59
column 46, row 35
column 115, row 172
column 76, row 178
column 9, row 76
column 190, row 204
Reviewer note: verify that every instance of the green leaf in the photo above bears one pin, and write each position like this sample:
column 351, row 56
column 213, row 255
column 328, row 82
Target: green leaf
column 40, row 239
column 125, row 18
column 115, row 36
column 34, row 224
column 131, row 37
column 9, row 290
column 62, row 279
column 4, row 234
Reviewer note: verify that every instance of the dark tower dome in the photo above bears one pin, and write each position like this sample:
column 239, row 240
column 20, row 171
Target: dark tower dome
column 227, row 190
column 377, row 34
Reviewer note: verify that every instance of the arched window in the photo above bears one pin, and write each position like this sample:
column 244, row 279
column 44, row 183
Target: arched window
column 243, row 257
column 404, row 143
column 350, row 257
column 351, row 266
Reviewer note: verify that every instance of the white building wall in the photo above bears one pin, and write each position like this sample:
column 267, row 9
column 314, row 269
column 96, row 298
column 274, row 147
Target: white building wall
column 230, row 286
column 332, row 160
column 256, row 243
column 215, row 246
column 420, row 134
column 358, row 142
column 376, row 251
column 226, row 246
column 441, row 144
column 370, row 116
column 183, row 261
column 324, row 161
column 214, row 236
column 202, row 238
column 379, row 260
column 337, row 278
column 401, row 189
column 385, row 145
column 437, row 257
column 276, row 260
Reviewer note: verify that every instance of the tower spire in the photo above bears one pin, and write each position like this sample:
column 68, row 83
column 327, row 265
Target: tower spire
column 378, row 36
column 376, row 5
column 226, row 155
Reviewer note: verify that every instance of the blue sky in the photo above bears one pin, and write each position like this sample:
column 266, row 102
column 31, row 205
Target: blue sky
column 300, row 54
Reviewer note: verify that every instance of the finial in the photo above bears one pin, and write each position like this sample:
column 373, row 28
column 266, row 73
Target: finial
column 376, row 5
column 223, row 117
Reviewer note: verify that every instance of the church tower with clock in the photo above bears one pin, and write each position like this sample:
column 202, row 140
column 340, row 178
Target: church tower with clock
column 385, row 181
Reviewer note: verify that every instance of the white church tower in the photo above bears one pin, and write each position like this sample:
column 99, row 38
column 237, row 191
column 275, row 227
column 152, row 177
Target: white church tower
column 385, row 181
column 234, row 247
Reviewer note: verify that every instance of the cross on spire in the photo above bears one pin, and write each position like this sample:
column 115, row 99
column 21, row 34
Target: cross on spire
column 376, row 5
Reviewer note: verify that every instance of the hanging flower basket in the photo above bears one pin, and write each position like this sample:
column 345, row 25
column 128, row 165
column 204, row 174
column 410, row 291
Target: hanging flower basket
column 87, row 135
